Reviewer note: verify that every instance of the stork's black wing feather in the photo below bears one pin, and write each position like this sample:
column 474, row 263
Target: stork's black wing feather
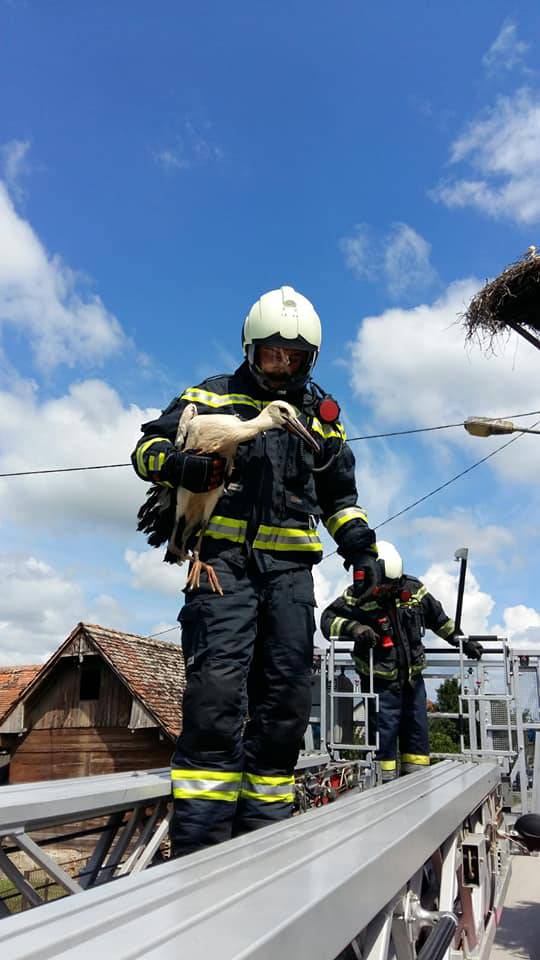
column 156, row 515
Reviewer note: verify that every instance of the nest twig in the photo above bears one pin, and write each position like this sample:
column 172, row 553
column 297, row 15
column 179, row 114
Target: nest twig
column 510, row 302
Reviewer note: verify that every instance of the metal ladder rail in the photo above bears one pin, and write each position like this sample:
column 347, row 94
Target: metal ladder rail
column 369, row 697
column 137, row 805
column 304, row 888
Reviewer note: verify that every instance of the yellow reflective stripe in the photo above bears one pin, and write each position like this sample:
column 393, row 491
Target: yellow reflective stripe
column 209, row 399
column 388, row 764
column 229, row 521
column 446, row 630
column 205, row 785
column 266, row 538
column 421, row 592
column 179, row 793
column 362, row 666
column 216, row 400
column 224, row 776
column 337, row 520
column 141, row 450
column 418, row 758
column 338, row 626
column 226, row 528
column 328, row 430
column 270, row 781
column 349, row 597
column 272, row 798
column 268, row 789
column 287, row 538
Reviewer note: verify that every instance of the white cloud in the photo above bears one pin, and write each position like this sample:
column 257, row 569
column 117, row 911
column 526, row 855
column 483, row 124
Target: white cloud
column 521, row 625
column 413, row 368
column 330, row 579
column 380, row 499
column 13, row 159
column 506, row 52
column 400, row 259
column 38, row 609
column 191, row 148
column 441, row 580
column 502, row 148
column 441, row 536
column 87, row 426
column 40, row 299
column 151, row 573
column 40, row 606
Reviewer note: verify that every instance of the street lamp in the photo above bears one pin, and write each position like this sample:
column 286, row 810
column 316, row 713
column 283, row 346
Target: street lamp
column 484, row 427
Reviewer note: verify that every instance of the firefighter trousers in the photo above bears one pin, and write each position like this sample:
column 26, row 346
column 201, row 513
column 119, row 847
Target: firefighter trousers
column 246, row 705
column 402, row 719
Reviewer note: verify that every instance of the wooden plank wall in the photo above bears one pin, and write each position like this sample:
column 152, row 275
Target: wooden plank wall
column 56, row 703
column 79, row 752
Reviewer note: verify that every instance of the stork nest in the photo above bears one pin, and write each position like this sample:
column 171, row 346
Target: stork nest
column 510, row 302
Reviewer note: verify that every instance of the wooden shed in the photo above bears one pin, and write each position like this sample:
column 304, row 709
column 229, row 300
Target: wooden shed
column 13, row 681
column 105, row 702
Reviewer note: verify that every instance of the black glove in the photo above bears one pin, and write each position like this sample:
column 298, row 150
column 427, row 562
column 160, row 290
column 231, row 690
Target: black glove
column 471, row 648
column 197, row 472
column 366, row 575
column 364, row 636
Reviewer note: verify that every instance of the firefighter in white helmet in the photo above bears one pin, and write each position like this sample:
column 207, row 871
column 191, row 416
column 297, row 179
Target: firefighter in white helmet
column 250, row 651
column 391, row 619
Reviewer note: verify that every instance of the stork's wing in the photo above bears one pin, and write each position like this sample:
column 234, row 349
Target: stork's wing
column 157, row 515
column 183, row 426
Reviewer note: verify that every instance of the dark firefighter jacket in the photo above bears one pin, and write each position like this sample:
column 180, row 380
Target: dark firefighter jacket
column 273, row 499
column 410, row 613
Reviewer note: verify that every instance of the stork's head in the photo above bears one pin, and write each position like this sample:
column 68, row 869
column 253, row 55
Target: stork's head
column 282, row 415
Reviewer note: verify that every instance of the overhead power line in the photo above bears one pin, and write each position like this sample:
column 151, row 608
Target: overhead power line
column 444, row 426
column 451, row 480
column 151, row 636
column 447, row 483
column 369, row 436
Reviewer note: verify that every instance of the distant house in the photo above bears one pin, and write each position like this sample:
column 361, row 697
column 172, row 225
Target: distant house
column 105, row 702
column 13, row 680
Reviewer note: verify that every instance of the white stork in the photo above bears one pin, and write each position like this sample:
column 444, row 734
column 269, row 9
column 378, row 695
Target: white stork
column 220, row 434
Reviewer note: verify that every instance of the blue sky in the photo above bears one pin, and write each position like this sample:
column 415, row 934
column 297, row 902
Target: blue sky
column 161, row 166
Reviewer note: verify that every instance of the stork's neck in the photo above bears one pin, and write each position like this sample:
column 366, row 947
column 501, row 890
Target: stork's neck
column 251, row 428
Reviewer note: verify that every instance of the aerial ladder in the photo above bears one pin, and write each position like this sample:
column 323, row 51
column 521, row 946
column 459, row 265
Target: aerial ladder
column 417, row 868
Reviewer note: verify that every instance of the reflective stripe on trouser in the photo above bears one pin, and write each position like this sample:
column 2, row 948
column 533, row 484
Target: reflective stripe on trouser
column 253, row 645
column 388, row 770
column 411, row 762
column 205, row 785
column 402, row 720
column 263, row 799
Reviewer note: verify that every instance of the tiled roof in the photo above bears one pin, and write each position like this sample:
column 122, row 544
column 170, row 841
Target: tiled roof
column 152, row 669
column 13, row 680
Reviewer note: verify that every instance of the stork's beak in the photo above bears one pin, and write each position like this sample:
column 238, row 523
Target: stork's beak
column 294, row 426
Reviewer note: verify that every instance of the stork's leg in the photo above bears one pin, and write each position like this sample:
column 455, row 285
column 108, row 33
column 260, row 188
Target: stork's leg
column 194, row 577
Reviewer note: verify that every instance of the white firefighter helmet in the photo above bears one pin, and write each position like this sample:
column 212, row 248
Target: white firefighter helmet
column 390, row 559
column 282, row 318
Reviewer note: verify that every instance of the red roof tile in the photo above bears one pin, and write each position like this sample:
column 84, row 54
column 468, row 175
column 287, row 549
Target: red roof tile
column 13, row 680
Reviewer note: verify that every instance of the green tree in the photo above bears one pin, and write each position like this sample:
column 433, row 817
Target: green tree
column 441, row 742
column 448, row 696
column 444, row 731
